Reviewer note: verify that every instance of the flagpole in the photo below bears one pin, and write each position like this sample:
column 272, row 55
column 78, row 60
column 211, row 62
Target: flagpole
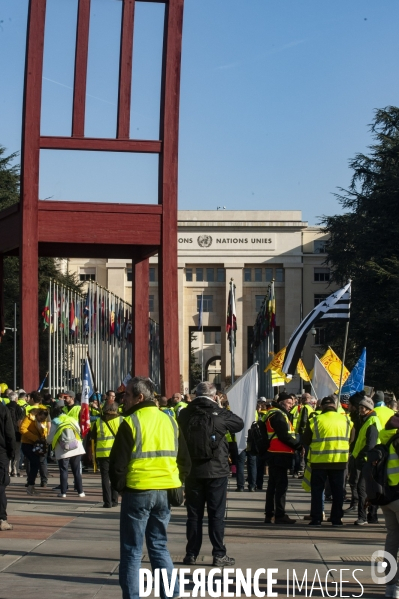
column 232, row 287
column 202, row 335
column 49, row 342
column 343, row 361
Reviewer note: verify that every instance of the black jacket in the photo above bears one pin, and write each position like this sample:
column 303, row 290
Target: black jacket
column 7, row 435
column 17, row 414
column 281, row 428
column 225, row 421
column 123, row 446
column 371, row 441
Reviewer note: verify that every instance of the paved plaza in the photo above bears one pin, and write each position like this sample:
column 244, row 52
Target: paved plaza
column 63, row 548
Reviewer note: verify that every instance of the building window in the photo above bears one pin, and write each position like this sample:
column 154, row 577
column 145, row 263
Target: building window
column 199, row 274
column 151, row 303
column 152, row 274
column 320, row 246
column 207, row 337
column 189, row 274
column 269, row 275
column 218, row 337
column 320, row 337
column 87, row 274
column 258, row 302
column 221, row 275
column 129, row 275
column 319, row 298
column 279, row 275
column 258, row 275
column 210, row 275
column 208, row 303
column 322, row 275
column 247, row 275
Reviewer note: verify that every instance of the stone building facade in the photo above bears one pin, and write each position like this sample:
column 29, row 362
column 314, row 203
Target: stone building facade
column 250, row 247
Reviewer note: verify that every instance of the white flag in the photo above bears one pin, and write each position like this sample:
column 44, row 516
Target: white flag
column 322, row 382
column 242, row 398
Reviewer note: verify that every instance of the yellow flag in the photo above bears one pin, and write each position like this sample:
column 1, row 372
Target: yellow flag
column 277, row 361
column 333, row 365
column 277, row 379
column 301, row 370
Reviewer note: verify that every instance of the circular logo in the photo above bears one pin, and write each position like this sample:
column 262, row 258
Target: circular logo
column 204, row 241
column 382, row 572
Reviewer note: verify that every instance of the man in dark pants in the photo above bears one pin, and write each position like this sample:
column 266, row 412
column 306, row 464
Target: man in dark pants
column 327, row 435
column 207, row 481
column 283, row 444
column 7, row 451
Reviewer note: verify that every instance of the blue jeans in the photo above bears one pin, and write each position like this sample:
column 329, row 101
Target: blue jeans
column 251, row 470
column 143, row 514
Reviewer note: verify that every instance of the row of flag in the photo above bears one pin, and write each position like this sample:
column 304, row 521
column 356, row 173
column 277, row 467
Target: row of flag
column 73, row 314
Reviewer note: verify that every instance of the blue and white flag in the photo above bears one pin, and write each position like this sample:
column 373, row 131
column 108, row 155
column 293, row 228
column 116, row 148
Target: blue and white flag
column 335, row 307
column 87, row 392
column 355, row 381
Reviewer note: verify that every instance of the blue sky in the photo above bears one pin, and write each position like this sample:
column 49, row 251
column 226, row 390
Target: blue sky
column 276, row 97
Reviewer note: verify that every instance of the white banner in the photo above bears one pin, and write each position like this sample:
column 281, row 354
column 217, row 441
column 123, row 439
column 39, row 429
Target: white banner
column 242, row 398
column 322, row 382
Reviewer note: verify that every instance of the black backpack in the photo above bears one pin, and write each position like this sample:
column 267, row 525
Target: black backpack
column 17, row 413
column 201, row 435
column 375, row 471
column 258, row 441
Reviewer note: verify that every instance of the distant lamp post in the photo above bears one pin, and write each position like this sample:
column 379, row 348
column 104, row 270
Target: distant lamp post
column 314, row 333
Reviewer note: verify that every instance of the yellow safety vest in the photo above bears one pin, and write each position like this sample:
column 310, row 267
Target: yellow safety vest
column 384, row 414
column 105, row 439
column 393, row 467
column 361, row 440
column 74, row 412
column 295, row 416
column 153, row 462
column 330, row 441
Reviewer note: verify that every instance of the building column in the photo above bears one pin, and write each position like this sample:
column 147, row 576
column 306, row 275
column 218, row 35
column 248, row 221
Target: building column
column 234, row 272
column 140, row 346
column 182, row 336
column 293, row 299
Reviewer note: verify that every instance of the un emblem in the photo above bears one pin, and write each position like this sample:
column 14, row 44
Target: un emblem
column 204, row 241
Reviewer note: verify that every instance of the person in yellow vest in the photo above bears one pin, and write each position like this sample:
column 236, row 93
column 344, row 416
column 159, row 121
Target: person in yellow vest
column 328, row 436
column 283, row 443
column 67, row 444
column 391, row 509
column 177, row 403
column 70, row 408
column 384, row 414
column 103, row 434
column 367, row 439
column 149, row 456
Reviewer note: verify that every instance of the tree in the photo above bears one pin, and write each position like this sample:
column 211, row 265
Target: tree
column 364, row 247
column 48, row 268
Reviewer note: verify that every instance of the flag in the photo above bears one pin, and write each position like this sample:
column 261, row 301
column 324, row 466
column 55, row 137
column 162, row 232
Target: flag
column 112, row 318
column 246, row 386
column 301, row 370
column 201, row 310
column 278, row 379
column 333, row 365
column 86, row 313
column 277, row 361
column 55, row 313
column 43, row 381
column 323, row 384
column 231, row 325
column 355, row 381
column 72, row 320
column 271, row 310
column 46, row 312
column 335, row 307
column 87, row 392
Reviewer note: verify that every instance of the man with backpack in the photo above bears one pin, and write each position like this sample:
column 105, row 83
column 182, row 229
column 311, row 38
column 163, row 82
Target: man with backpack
column 204, row 424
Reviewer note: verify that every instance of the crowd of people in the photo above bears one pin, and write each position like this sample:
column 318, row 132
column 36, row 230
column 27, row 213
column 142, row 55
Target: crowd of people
column 155, row 452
